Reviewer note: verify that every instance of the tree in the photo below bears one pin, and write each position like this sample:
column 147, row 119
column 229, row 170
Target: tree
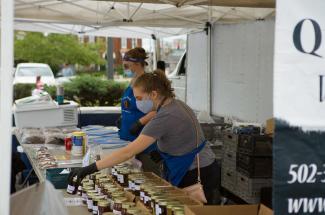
column 55, row 50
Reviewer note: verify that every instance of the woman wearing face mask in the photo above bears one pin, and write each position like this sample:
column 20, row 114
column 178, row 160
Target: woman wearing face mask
column 177, row 132
column 133, row 117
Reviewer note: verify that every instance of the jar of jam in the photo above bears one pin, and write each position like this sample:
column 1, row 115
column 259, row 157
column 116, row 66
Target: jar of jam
column 102, row 183
column 92, row 177
column 84, row 194
column 96, row 199
column 118, row 203
column 126, row 206
column 97, row 180
column 161, row 208
column 155, row 202
column 103, row 207
column 137, row 186
column 115, row 196
column 90, row 198
column 178, row 209
column 72, row 187
column 147, row 199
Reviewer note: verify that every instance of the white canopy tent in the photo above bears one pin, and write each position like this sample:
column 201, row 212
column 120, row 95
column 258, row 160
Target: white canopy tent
column 136, row 18
column 125, row 19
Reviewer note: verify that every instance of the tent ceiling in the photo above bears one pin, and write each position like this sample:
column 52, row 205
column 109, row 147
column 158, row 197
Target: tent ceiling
column 108, row 17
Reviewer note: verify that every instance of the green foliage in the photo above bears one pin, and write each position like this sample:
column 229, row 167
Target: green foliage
column 23, row 90
column 86, row 90
column 55, row 50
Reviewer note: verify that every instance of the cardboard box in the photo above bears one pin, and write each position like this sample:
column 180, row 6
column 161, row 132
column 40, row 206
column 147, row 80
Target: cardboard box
column 228, row 210
column 270, row 125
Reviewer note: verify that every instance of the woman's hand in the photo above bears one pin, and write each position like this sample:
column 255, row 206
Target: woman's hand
column 81, row 173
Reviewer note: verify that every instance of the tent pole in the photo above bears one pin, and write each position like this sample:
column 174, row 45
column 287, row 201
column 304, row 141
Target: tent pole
column 7, row 36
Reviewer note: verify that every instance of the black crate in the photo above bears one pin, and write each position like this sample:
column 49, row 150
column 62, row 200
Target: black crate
column 255, row 145
column 249, row 189
column 254, row 166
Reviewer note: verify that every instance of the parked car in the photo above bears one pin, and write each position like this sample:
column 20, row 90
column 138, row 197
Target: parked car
column 26, row 73
column 178, row 78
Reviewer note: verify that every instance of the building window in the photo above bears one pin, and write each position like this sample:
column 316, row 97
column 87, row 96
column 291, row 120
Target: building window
column 123, row 43
column 134, row 43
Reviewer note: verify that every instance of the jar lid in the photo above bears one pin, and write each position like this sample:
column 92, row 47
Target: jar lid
column 163, row 203
column 121, row 199
column 178, row 207
column 118, row 194
column 127, row 205
column 103, row 203
column 87, row 188
column 91, row 192
column 179, row 213
column 99, row 197
column 133, row 210
column 101, row 176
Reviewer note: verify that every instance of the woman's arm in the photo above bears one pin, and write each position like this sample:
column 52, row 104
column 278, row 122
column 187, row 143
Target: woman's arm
column 126, row 153
column 144, row 120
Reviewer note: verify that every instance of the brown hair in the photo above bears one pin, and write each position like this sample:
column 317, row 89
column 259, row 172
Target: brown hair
column 156, row 81
column 138, row 53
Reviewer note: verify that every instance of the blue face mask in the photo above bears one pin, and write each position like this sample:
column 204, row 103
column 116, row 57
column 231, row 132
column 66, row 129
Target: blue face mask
column 128, row 73
column 145, row 105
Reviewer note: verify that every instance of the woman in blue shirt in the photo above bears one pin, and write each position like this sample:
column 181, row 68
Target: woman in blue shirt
column 134, row 117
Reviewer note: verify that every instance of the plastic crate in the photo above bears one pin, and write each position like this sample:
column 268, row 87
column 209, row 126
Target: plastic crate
column 228, row 179
column 254, row 166
column 55, row 176
column 229, row 160
column 255, row 145
column 249, row 189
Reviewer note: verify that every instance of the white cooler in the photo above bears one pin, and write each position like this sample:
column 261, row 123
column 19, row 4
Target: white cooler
column 33, row 116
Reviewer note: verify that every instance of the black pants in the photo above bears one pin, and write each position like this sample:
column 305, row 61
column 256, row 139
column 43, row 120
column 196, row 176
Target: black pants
column 210, row 179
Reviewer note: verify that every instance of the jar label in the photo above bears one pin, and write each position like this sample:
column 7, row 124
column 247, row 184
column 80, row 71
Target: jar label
column 84, row 196
column 90, row 204
column 137, row 187
column 117, row 212
column 157, row 209
column 95, row 210
column 70, row 189
column 120, row 179
column 142, row 196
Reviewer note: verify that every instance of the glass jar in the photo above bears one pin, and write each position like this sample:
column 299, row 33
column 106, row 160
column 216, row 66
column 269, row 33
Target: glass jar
column 90, row 197
column 118, row 203
column 161, row 208
column 154, row 200
column 102, row 183
column 126, row 206
column 137, row 186
column 96, row 199
column 85, row 190
column 147, row 199
column 171, row 204
column 103, row 207
column 115, row 196
column 178, row 209
column 72, row 187
column 97, row 180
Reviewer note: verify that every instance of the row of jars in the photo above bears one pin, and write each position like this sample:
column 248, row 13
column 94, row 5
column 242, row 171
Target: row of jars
column 102, row 196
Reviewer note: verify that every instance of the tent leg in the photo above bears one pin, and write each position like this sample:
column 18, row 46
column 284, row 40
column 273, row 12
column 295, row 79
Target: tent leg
column 7, row 36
